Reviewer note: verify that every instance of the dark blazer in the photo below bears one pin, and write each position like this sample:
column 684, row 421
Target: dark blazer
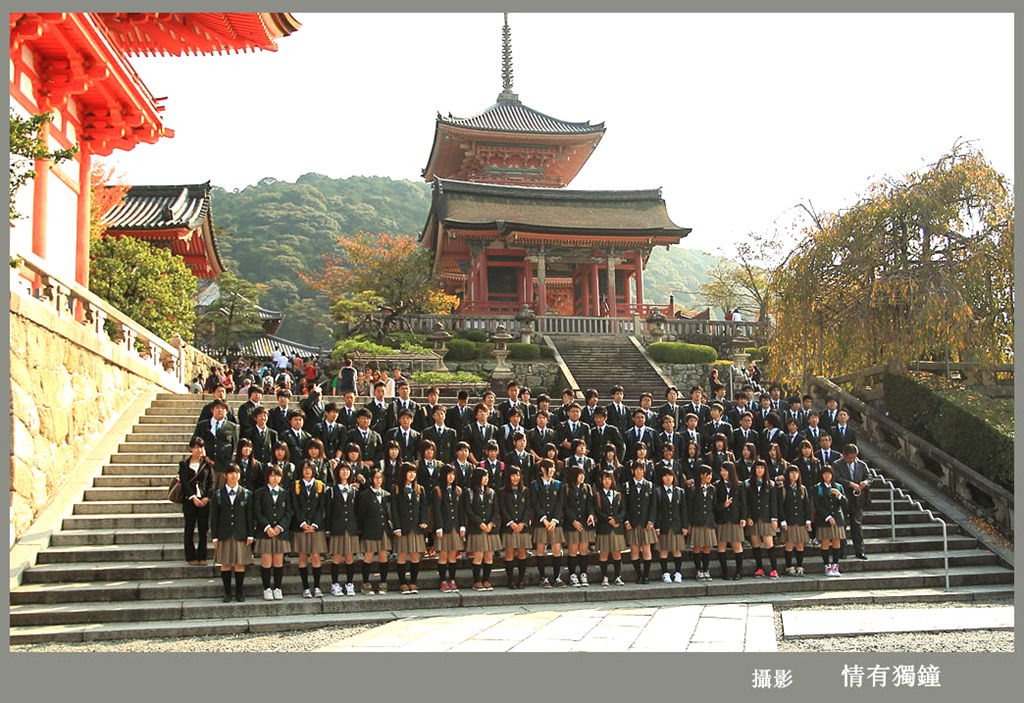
column 703, row 412
column 813, row 437
column 736, row 511
column 829, row 457
column 826, row 504
column 790, row 445
column 671, row 516
column 527, row 464
column 373, row 516
column 673, row 409
column 245, row 419
column 627, row 473
column 689, row 439
column 795, row 506
column 604, row 510
column 220, row 449
column 448, row 511
column 409, row 511
column 732, row 416
column 578, row 504
column 425, row 478
column 207, row 412
column 340, row 510
column 391, row 416
column 586, row 462
column 838, row 442
column 640, row 507
column 296, row 445
column 229, row 521
column 546, row 501
column 609, row 435
column 828, row 421
column 858, row 500
column 334, row 439
column 410, row 447
column 621, row 420
column 504, row 436
column 423, row 417
column 799, row 415
column 477, row 438
column 480, row 508
column 716, row 459
column 702, row 505
column 463, row 474
column 314, row 410
column 514, row 506
column 267, row 513
column 690, row 467
column 708, row 430
column 767, row 441
column 505, row 408
column 529, row 415
column 457, row 417
column 762, row 501
column 759, row 417
column 744, row 469
column 582, row 431
column 536, row 439
column 810, row 471
column 495, row 472
column 445, row 441
column 252, row 474
column 308, row 507
column 348, row 417
column 287, row 471
column 262, row 448
column 391, row 471
column 633, row 438
column 661, row 468
column 587, row 414
column 203, row 479
column 378, row 423
column 677, row 441
column 372, row 447
column 277, row 419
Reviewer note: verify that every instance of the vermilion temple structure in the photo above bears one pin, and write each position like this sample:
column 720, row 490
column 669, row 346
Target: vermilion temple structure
column 506, row 231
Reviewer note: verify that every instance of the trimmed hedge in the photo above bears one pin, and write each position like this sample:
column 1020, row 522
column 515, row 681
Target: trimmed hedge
column 546, row 352
column 682, row 353
column 461, row 350
column 347, row 347
column 523, row 352
column 927, row 409
column 440, row 378
column 758, row 353
column 475, row 335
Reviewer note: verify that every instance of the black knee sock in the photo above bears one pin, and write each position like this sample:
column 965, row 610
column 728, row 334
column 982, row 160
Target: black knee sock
column 400, row 570
column 617, row 567
column 721, row 562
column 664, row 565
column 757, row 557
column 678, row 562
column 317, row 570
column 414, row 571
column 451, row 571
column 789, row 559
column 556, row 566
column 225, row 576
column 304, row 575
column 239, row 580
column 509, row 564
column 350, row 572
column 800, row 558
column 442, row 572
column 636, row 567
column 739, row 562
column 366, row 572
column 476, row 573
column 278, row 576
column 487, row 572
column 540, row 566
column 647, row 568
column 773, row 560
column 335, row 568
column 384, row 570
column 837, row 553
column 604, row 569
column 707, row 561
column 826, row 556
column 581, row 564
column 698, row 561
column 265, row 576
column 521, row 568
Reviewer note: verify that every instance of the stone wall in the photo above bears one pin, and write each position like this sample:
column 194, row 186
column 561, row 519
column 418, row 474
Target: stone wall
column 684, row 376
column 67, row 389
column 196, row 362
column 541, row 376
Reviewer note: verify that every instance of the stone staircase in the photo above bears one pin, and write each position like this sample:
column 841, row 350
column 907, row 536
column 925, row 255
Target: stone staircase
column 601, row 362
column 116, row 569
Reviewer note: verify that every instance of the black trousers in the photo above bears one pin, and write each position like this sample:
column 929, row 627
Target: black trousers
column 195, row 518
column 854, row 528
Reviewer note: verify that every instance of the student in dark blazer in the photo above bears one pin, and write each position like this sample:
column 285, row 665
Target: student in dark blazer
column 272, row 513
column 745, row 462
column 463, row 466
column 843, row 433
column 715, row 426
column 703, row 499
column 296, row 437
column 252, row 470
column 480, row 505
column 647, row 405
column 219, row 393
column 852, row 474
column 402, row 402
column 606, row 460
column 263, row 438
column 443, row 436
column 195, row 472
column 450, row 532
column 313, row 408
column 519, row 457
column 638, row 433
column 231, row 521
column 510, row 403
column 281, row 458
column 740, row 405
column 478, row 432
column 408, row 439
column 668, row 435
column 671, row 524
column 718, row 452
column 347, row 411
column 390, row 464
column 789, row 441
column 578, row 457
column 277, row 417
column 527, row 406
column 604, row 432
column 370, row 443
column 690, row 466
column 830, row 505
column 424, row 416
column 507, row 431
column 220, row 437
column 409, row 506
column 762, row 517
column 342, row 528
column 609, row 539
column 579, row 521
column 540, row 435
column 814, row 431
column 620, row 415
column 378, row 409
column 308, row 540
column 672, row 407
column 697, row 406
column 761, row 413
column 730, row 518
column 247, row 410
column 825, row 453
column 571, row 429
column 809, row 465
column 332, row 432
column 795, row 511
column 771, row 434
column 460, row 414
column 830, row 415
column 494, row 466
column 591, row 400
column 546, row 496
column 639, row 521
column 373, row 513
column 744, row 434
column 514, row 509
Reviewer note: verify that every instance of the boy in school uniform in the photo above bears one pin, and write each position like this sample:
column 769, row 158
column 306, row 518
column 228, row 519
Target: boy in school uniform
column 619, row 414
column 814, row 430
column 539, row 436
column 347, row 410
column 443, row 436
column 511, row 403
column 744, row 434
column 312, row 405
column 830, row 415
column 513, row 427
column 296, row 437
column 696, row 405
column 220, row 436
column 843, row 433
column 668, row 436
column 571, row 429
column 519, row 456
column 219, row 393
column 739, row 406
column 408, row 439
column 332, row 433
column 277, row 418
column 528, row 408
column 604, row 432
column 424, row 415
column 378, row 409
column 714, row 426
column 789, row 442
column 262, row 437
column 561, row 413
column 671, row 406
column 248, row 409
column 647, row 405
column 477, row 433
column 639, row 433
column 370, row 443
column 392, row 419
column 590, row 405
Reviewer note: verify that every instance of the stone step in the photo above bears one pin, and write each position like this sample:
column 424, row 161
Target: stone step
column 156, row 447
column 164, row 428
column 148, row 421
column 175, row 411
column 170, row 455
column 99, row 507
column 129, row 493
column 147, row 570
column 171, row 549
column 75, row 538
column 167, row 469
column 166, row 438
column 133, row 481
column 123, row 520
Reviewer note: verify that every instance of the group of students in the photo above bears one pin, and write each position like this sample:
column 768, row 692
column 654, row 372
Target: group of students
column 404, row 481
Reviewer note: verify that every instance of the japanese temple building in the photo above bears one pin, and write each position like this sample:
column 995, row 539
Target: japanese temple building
column 506, row 231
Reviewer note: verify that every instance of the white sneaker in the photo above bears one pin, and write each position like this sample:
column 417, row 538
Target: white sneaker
column 307, row 593
column 336, row 589
column 278, row 595
column 574, row 581
column 317, row 593
column 618, row 581
column 604, row 581
column 666, row 577
column 350, row 589
column 678, row 578
column 835, row 570
column 583, row 580
column 268, row 594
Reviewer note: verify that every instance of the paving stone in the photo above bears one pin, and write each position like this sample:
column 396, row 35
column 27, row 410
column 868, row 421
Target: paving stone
column 725, row 610
column 720, row 630
column 714, row 647
column 797, row 623
column 541, row 644
column 760, row 635
column 623, row 620
column 759, row 610
column 484, row 646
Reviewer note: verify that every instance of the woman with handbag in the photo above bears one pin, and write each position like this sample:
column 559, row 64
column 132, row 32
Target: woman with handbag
column 195, row 478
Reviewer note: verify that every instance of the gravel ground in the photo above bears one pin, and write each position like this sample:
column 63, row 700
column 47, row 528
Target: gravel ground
column 964, row 641
column 294, row 641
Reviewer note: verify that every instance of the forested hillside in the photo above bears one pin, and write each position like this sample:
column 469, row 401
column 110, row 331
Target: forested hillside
column 278, row 229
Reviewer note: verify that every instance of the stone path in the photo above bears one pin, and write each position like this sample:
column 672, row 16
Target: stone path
column 620, row 627
column 836, row 623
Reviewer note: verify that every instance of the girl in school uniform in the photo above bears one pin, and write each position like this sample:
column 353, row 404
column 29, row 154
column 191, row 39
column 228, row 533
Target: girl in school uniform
column 719, row 453
column 546, row 498
column 640, row 462
column 730, row 517
column 408, row 524
column 609, row 514
column 231, row 521
column 494, row 466
column 703, row 497
column 796, row 510
column 671, row 524
column 450, row 535
column 272, row 508
column 282, row 460
column 480, row 504
column 777, row 464
column 391, row 464
column 829, row 519
column 352, row 457
column 373, row 515
column 551, row 454
column 578, row 509
column 195, row 472
column 578, row 457
column 514, row 507
column 745, row 465
column 342, row 528
column 308, row 539
column 762, row 517
column 252, row 470
column 639, row 520
column 315, row 457
column 691, row 465
column 608, row 461
column 463, row 466
column 809, row 465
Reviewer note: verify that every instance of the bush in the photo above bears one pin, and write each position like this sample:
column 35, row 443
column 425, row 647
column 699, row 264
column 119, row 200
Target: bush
column 722, row 364
column 440, row 378
column 347, row 347
column 546, row 352
column 523, row 352
column 758, row 353
column 954, row 419
column 461, row 350
column 475, row 335
column 682, row 353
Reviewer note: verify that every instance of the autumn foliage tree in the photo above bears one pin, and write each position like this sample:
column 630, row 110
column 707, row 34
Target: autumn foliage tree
column 920, row 268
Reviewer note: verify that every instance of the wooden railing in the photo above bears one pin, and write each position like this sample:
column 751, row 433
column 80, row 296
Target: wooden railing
column 558, row 324
column 956, row 478
column 74, row 303
column 709, row 329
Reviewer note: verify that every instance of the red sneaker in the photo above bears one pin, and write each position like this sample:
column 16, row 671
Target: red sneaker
column 773, row 574
column 444, row 587
column 452, row 586
column 759, row 574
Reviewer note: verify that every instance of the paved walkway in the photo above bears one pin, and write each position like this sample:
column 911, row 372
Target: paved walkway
column 620, row 627
column 835, row 623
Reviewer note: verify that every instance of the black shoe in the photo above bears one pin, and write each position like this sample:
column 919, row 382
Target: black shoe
column 227, row 598
column 862, row 556
column 737, row 576
column 240, row 598
column 726, row 576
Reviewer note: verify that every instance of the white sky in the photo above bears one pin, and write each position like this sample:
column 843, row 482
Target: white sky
column 736, row 116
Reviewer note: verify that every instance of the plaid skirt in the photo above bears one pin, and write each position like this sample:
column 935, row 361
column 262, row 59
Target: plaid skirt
column 640, row 536
column 343, row 544
column 410, row 544
column 831, row 532
column 309, row 542
column 612, row 542
column 671, row 542
column 277, row 545
column 729, row 532
column 516, row 540
column 702, row 537
column 232, row 551
column 573, row 536
column 795, row 534
column 450, row 542
column 542, row 536
column 483, row 543
column 761, row 529
column 372, row 546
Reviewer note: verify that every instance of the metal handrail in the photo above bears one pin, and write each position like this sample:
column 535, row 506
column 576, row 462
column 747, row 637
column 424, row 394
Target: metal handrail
column 875, row 474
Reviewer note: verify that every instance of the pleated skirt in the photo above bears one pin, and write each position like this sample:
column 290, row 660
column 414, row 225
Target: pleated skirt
column 573, row 536
column 516, row 540
column 640, row 536
column 729, row 532
column 309, row 542
column 832, row 532
column 542, row 536
column 450, row 542
column 702, row 537
column 760, row 529
column 343, row 544
column 613, row 542
column 671, row 542
column 483, row 543
column 277, row 545
column 232, row 551
column 795, row 534
column 410, row 544
column 372, row 546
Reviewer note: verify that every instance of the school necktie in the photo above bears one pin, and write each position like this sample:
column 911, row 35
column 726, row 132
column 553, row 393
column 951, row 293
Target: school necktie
column 231, row 496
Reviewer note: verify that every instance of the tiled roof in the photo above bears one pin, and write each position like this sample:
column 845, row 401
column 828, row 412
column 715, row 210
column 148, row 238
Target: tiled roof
column 513, row 116
column 263, row 345
column 161, row 207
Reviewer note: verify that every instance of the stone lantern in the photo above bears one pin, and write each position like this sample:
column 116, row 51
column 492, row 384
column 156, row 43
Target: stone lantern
column 656, row 325
column 440, row 336
column 739, row 355
column 526, row 318
column 501, row 338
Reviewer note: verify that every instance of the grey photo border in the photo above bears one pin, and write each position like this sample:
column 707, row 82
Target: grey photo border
column 578, row 677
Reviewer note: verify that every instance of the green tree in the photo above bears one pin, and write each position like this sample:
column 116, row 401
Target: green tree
column 920, row 268
column 234, row 315
column 148, row 283
column 27, row 145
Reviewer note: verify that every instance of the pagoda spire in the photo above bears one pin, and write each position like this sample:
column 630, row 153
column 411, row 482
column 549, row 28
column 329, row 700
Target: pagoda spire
column 506, row 94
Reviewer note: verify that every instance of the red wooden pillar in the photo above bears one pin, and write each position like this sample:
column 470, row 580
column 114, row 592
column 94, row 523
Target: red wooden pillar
column 639, row 283
column 39, row 190
column 625, row 291
column 484, row 295
column 596, row 297
column 82, row 228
